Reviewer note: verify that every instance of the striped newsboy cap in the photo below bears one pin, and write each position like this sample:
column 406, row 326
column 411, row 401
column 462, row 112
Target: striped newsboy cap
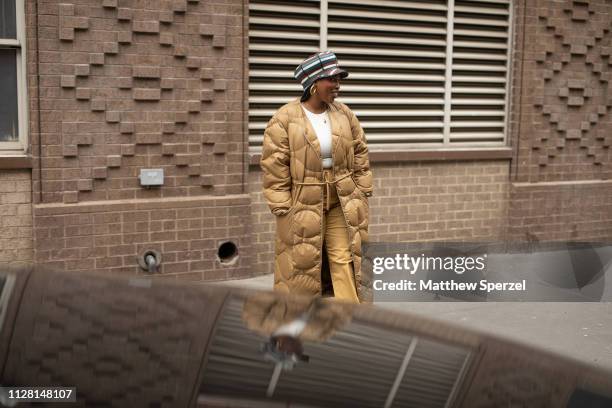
column 315, row 67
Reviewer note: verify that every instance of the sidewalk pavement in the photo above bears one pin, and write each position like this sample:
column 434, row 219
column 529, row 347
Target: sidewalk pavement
column 581, row 331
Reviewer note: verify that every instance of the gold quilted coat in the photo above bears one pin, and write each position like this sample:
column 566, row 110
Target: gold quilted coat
column 293, row 187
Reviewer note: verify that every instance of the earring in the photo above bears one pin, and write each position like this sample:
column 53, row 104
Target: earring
column 313, row 90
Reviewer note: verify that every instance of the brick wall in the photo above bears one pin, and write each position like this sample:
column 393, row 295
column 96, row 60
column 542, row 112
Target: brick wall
column 126, row 86
column 423, row 201
column 15, row 217
column 562, row 122
column 574, row 211
column 566, row 83
column 150, row 85
column 109, row 237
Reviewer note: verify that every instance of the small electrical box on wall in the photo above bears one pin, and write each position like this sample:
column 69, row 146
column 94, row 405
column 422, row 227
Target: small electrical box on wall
column 151, row 177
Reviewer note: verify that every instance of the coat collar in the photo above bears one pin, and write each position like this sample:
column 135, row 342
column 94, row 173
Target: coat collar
column 310, row 134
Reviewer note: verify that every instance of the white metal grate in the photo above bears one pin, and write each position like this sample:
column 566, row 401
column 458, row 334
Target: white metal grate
column 391, row 368
column 422, row 73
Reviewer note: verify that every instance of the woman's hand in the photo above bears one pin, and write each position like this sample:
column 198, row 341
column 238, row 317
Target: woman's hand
column 280, row 211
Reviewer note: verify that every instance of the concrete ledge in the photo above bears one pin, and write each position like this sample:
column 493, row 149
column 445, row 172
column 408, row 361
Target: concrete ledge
column 142, row 204
column 568, row 183
column 15, row 162
column 426, row 155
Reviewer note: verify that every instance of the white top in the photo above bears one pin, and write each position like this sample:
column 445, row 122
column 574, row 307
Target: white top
column 320, row 123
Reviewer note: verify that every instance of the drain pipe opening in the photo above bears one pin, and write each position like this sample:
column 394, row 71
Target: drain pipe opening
column 149, row 261
column 227, row 253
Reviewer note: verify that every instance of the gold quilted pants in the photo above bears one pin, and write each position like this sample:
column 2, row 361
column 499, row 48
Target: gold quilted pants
column 336, row 241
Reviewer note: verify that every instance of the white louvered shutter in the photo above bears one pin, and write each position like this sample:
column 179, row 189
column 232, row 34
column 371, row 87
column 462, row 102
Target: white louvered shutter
column 412, row 83
column 395, row 54
column 281, row 35
column 480, row 72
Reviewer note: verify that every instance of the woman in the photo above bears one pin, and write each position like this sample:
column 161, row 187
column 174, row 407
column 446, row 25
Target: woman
column 316, row 180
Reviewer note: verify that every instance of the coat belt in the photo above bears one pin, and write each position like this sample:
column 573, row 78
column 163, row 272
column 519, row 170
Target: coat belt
column 325, row 183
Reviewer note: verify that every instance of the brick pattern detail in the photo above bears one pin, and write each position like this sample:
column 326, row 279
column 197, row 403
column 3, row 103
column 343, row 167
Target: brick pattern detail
column 146, row 72
column 143, row 345
column 217, row 32
column 68, row 22
column 561, row 122
column 566, row 111
column 415, row 202
column 15, row 217
column 109, row 237
column 147, row 94
column 154, row 79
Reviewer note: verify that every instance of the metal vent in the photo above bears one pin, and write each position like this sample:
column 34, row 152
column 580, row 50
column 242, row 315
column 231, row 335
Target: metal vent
column 235, row 365
column 354, row 368
column 360, row 366
column 7, row 283
column 395, row 52
column 281, row 35
column 481, row 38
column 422, row 73
column 431, row 376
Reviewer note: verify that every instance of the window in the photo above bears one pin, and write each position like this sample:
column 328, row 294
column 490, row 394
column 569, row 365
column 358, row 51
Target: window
column 13, row 126
column 423, row 74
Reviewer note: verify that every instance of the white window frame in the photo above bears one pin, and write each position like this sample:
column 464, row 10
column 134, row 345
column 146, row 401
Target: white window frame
column 19, row 147
column 445, row 143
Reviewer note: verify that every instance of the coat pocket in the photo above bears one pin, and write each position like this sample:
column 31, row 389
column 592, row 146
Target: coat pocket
column 284, row 227
column 364, row 198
